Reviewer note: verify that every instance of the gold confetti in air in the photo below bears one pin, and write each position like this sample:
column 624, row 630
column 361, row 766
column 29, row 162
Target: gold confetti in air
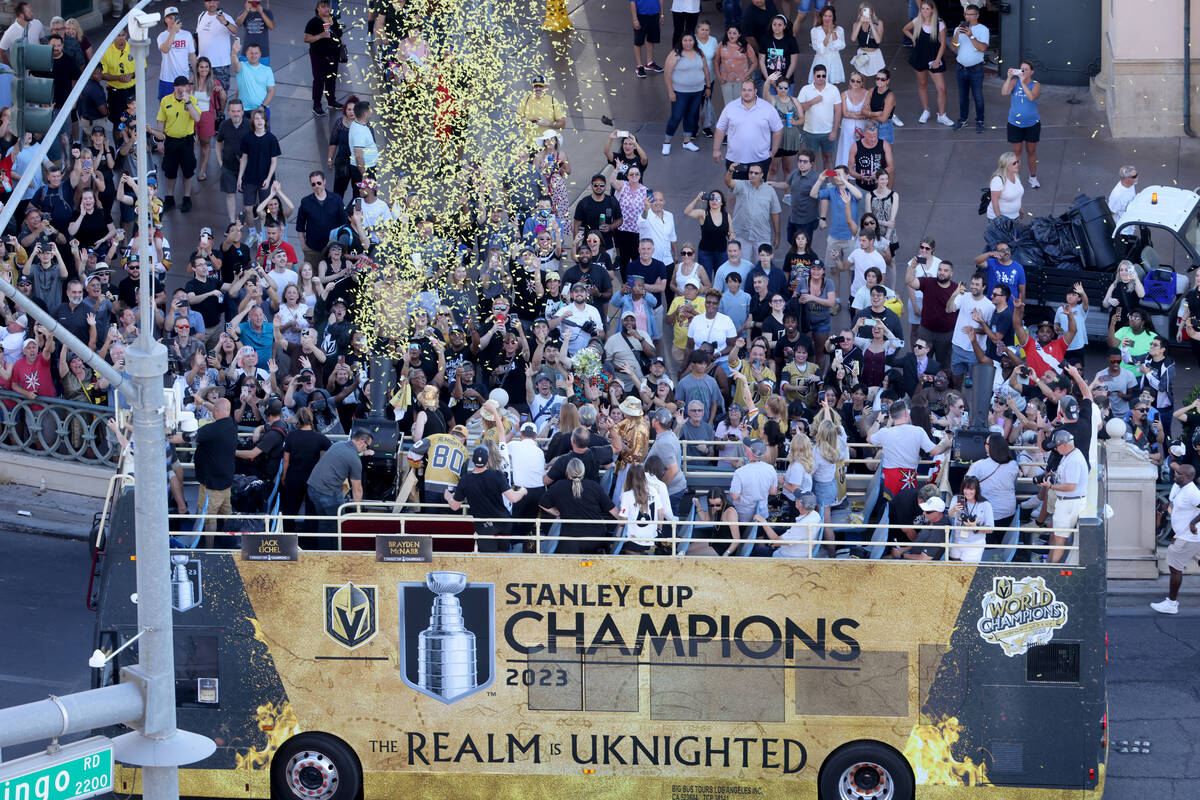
column 451, row 145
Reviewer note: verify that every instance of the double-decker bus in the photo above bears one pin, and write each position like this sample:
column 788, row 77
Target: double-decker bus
column 460, row 674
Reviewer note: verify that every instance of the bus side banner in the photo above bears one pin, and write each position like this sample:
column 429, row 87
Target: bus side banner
column 616, row 674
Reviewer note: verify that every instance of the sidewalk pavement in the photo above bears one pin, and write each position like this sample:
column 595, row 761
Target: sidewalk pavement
column 58, row 514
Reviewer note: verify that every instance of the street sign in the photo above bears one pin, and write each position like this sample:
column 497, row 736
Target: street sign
column 77, row 770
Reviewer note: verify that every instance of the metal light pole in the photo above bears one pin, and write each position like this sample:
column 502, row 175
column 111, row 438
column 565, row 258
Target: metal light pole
column 156, row 744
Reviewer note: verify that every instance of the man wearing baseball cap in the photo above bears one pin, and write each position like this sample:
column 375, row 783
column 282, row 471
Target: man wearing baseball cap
column 540, row 110
column 666, row 446
column 528, row 462
column 933, row 514
column 178, row 49
column 1069, row 482
column 178, row 115
column 485, row 490
column 805, row 530
column 753, row 482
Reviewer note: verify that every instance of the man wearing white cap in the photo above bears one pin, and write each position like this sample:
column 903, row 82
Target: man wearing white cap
column 1069, row 482
column 528, row 463
column 178, row 49
column 933, row 513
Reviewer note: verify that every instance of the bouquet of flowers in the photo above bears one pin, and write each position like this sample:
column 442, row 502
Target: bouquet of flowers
column 587, row 363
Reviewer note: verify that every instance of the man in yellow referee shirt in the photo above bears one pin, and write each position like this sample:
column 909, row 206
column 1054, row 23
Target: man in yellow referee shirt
column 116, row 69
column 178, row 114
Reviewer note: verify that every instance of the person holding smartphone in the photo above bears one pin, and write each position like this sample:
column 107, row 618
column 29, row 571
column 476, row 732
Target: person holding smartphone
column 1024, row 119
column 969, row 41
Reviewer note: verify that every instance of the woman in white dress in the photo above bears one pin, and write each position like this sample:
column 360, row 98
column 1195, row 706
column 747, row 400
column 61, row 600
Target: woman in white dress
column 854, row 116
column 828, row 41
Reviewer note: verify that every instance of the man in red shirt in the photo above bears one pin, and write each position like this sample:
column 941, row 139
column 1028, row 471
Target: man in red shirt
column 937, row 323
column 273, row 242
column 31, row 378
column 1045, row 353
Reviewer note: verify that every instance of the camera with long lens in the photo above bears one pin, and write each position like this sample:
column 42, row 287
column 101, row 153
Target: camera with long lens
column 965, row 518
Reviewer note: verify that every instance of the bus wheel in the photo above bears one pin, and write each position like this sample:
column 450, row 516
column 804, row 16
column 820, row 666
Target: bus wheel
column 315, row 766
column 866, row 771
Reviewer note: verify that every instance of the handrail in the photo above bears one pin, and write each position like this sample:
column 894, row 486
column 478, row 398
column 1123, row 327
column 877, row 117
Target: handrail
column 66, row 430
column 539, row 536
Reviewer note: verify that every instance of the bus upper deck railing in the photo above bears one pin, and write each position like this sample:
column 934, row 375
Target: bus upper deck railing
column 674, row 537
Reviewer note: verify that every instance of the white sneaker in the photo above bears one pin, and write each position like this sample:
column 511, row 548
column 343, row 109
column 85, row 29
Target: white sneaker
column 667, row 149
column 897, row 121
column 1166, row 606
column 924, row 117
column 691, row 146
column 942, row 118
column 1034, row 183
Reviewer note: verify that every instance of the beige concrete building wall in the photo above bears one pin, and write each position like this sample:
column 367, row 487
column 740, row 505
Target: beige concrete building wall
column 1141, row 84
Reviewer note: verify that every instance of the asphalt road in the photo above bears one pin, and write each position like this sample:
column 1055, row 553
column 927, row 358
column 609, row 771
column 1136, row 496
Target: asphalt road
column 1153, row 694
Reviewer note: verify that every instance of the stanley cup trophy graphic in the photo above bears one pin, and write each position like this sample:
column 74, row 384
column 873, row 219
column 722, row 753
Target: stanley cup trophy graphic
column 446, row 649
column 185, row 582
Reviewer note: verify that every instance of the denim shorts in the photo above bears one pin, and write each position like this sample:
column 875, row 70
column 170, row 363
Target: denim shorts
column 962, row 360
column 826, row 493
column 808, row 5
column 887, row 132
column 822, row 326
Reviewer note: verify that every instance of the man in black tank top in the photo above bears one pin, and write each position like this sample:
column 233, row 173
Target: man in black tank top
column 869, row 155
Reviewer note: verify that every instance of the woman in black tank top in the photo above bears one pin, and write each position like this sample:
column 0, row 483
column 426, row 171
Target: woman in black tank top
column 882, row 106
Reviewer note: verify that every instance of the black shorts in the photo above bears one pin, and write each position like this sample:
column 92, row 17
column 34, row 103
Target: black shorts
column 785, row 153
column 649, row 32
column 179, row 153
column 1017, row 135
column 228, row 180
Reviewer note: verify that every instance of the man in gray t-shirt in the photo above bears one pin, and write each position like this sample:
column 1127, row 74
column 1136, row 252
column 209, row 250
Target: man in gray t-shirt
column 806, row 209
column 666, row 446
column 753, row 482
column 341, row 462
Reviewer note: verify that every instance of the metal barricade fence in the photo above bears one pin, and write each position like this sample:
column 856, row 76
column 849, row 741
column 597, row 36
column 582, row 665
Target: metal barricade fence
column 64, row 430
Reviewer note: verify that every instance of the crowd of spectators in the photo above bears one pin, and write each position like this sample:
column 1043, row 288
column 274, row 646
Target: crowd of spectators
column 615, row 330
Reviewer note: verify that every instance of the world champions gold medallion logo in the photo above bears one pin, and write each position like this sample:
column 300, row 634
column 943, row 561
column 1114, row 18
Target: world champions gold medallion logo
column 1020, row 613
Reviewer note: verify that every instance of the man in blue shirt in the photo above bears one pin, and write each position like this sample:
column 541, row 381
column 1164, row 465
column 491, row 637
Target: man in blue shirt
column 255, row 80
column 735, row 263
column 839, row 212
column 776, row 280
column 1001, row 268
column 735, row 304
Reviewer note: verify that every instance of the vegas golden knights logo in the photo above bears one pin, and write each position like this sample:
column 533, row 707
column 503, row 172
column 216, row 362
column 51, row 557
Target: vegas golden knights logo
column 1003, row 587
column 351, row 614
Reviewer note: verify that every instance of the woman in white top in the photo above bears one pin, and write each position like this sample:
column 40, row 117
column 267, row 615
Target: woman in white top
column 310, row 287
column 688, row 271
column 641, row 510
column 659, row 224
column 854, row 116
column 831, row 447
column 971, row 515
column 997, row 476
column 799, row 476
column 1006, row 188
column 290, row 316
column 828, row 41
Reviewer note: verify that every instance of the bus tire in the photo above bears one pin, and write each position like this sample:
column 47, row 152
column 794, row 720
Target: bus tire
column 866, row 771
column 315, row 766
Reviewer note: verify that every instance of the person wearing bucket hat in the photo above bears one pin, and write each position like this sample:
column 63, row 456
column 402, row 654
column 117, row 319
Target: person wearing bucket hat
column 429, row 420
column 630, row 439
